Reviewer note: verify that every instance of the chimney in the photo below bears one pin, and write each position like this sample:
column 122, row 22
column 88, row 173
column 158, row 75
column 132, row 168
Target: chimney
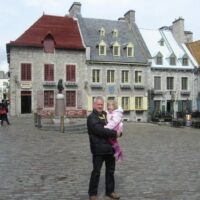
column 130, row 16
column 178, row 30
column 75, row 9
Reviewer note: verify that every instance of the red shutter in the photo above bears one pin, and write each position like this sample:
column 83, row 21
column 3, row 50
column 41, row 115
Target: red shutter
column 48, row 98
column 70, row 98
column 26, row 74
column 71, row 73
column 49, row 72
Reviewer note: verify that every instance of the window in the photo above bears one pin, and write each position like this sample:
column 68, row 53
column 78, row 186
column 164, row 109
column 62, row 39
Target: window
column 71, row 73
column 138, row 103
column 130, row 50
column 157, row 83
column 124, row 74
column 162, row 43
column 170, row 83
column 70, row 98
column 138, row 77
column 49, row 44
column 185, row 62
column 159, row 60
column 49, row 72
column 172, row 60
column 26, row 72
column 115, row 33
column 184, row 83
column 102, row 48
column 110, row 76
column 96, row 75
column 157, row 105
column 102, row 32
column 116, row 49
column 49, row 98
column 126, row 103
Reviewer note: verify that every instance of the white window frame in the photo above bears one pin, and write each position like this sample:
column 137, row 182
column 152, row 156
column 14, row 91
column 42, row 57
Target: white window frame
column 160, row 82
column 102, row 44
column 110, row 76
column 128, row 82
column 116, row 45
column 130, row 45
column 141, row 75
column 173, row 83
column 115, row 32
column 129, row 103
column 102, row 31
column 187, row 83
column 142, row 103
column 100, row 76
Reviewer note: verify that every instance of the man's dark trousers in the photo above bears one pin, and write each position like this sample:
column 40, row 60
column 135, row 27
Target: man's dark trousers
column 109, row 176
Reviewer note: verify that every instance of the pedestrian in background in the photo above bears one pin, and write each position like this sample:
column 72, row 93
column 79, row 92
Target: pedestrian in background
column 4, row 112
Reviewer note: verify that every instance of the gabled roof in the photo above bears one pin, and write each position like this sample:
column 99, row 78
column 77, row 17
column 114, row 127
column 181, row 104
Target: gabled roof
column 152, row 39
column 90, row 32
column 194, row 48
column 64, row 30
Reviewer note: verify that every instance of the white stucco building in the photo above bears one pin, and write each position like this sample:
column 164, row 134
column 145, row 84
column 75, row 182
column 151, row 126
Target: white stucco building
column 171, row 83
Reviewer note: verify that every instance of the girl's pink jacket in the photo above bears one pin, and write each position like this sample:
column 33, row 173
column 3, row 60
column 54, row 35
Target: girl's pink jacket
column 115, row 120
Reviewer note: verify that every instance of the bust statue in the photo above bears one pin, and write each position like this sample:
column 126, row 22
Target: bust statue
column 60, row 86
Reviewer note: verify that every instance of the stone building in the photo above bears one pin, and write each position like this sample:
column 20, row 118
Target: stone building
column 171, row 84
column 116, row 62
column 51, row 49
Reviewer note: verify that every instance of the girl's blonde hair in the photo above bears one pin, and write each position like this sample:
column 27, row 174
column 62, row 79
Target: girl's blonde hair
column 113, row 103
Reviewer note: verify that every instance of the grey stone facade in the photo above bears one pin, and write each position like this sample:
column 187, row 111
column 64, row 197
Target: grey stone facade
column 127, row 32
column 37, row 58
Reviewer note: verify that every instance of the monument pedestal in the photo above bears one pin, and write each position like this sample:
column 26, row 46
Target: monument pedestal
column 60, row 110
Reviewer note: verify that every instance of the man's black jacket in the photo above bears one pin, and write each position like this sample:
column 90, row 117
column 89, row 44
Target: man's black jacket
column 98, row 135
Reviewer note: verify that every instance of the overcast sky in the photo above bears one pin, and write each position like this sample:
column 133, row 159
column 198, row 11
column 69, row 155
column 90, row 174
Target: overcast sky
column 17, row 16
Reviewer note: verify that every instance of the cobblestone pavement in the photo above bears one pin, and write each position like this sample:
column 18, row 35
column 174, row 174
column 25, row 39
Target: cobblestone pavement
column 161, row 163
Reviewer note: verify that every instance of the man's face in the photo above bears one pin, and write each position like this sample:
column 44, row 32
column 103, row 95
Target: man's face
column 98, row 105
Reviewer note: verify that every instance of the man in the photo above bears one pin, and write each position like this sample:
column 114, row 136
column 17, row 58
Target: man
column 101, row 150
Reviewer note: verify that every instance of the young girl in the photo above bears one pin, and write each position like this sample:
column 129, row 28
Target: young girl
column 114, row 118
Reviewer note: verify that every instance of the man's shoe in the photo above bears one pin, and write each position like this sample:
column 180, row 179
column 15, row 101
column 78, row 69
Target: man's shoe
column 93, row 198
column 113, row 195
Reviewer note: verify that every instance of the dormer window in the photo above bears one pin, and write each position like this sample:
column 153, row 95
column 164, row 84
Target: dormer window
column 172, row 60
column 130, row 50
column 49, row 44
column 185, row 60
column 162, row 43
column 102, row 32
column 102, row 48
column 116, row 49
column 159, row 59
column 115, row 33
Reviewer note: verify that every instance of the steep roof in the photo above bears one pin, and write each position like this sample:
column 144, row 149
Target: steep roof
column 194, row 48
column 64, row 30
column 170, row 48
column 90, row 31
